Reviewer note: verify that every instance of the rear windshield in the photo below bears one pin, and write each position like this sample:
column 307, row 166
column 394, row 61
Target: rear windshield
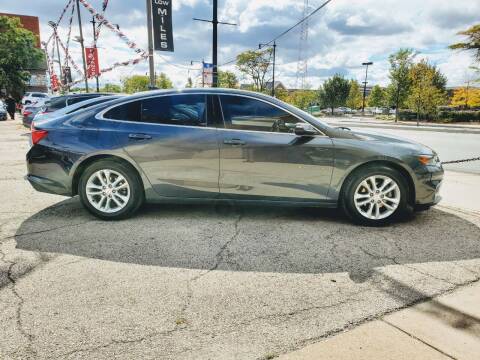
column 96, row 102
column 78, row 99
column 56, row 103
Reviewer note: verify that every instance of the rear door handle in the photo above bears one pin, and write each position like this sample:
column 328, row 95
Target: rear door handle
column 234, row 142
column 139, row 136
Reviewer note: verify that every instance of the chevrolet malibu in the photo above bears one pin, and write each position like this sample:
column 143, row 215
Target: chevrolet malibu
column 211, row 145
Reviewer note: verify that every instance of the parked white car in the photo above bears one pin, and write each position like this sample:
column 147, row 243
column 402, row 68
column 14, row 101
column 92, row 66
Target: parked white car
column 34, row 98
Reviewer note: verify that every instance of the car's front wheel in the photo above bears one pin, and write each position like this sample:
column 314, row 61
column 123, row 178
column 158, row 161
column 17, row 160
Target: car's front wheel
column 375, row 195
column 110, row 190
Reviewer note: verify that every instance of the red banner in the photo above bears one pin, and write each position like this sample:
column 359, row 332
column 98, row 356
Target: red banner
column 54, row 82
column 93, row 69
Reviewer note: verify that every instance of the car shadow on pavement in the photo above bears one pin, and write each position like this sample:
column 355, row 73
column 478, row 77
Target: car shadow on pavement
column 250, row 238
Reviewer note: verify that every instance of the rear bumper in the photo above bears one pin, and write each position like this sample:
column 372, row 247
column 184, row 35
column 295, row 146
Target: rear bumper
column 48, row 170
column 47, row 185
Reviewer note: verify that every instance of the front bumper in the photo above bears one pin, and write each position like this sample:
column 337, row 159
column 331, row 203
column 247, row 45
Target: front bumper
column 429, row 183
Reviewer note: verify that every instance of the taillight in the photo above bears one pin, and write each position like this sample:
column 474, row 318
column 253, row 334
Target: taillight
column 26, row 113
column 38, row 135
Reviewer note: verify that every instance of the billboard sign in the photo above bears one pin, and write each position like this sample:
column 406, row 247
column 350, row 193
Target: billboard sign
column 91, row 55
column 162, row 25
column 207, row 74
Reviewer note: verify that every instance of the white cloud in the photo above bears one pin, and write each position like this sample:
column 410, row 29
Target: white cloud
column 341, row 36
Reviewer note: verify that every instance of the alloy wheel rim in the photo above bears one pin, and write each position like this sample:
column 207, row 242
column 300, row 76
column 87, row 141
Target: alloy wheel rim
column 108, row 191
column 377, row 197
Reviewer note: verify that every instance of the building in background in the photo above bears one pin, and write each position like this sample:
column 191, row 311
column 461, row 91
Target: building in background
column 38, row 80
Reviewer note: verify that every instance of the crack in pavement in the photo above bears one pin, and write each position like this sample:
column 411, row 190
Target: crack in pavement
column 116, row 342
column 18, row 311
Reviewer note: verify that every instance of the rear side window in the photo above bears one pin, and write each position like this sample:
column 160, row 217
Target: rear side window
column 127, row 112
column 175, row 110
column 189, row 110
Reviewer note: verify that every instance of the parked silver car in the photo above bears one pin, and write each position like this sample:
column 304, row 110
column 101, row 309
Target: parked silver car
column 213, row 145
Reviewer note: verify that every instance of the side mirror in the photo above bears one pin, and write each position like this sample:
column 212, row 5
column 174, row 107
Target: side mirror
column 304, row 129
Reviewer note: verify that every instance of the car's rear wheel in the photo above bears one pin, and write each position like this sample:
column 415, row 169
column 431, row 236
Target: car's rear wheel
column 375, row 195
column 110, row 190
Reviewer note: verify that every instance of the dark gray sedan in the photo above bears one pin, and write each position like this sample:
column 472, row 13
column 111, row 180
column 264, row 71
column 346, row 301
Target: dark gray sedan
column 210, row 145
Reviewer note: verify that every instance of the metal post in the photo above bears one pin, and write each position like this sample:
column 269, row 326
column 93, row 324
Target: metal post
column 273, row 70
column 81, row 44
column 151, row 60
column 215, row 44
column 58, row 54
column 95, row 46
column 203, row 74
column 365, row 85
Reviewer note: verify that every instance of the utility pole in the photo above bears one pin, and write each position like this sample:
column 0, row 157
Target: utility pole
column 82, row 45
column 151, row 60
column 215, row 23
column 95, row 46
column 274, row 46
column 367, row 64
column 215, row 45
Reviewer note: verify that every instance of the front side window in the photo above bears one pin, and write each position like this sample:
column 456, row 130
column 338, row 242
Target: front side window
column 242, row 113
column 187, row 110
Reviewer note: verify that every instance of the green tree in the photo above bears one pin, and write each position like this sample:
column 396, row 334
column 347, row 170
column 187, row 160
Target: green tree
column 425, row 95
column 18, row 55
column 335, row 92
column 227, row 79
column 399, row 88
column 135, row 83
column 163, row 82
column 378, row 97
column 302, row 98
column 355, row 97
column 472, row 42
column 111, row 88
column 255, row 64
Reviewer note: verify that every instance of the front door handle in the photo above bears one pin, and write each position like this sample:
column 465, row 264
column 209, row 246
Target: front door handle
column 139, row 136
column 234, row 142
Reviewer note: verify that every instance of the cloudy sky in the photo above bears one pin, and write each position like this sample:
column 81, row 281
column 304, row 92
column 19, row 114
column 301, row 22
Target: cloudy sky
column 341, row 36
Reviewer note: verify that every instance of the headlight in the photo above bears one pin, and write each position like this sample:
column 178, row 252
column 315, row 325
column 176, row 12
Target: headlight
column 429, row 160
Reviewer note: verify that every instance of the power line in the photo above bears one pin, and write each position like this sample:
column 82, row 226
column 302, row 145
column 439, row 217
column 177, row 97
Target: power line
column 288, row 30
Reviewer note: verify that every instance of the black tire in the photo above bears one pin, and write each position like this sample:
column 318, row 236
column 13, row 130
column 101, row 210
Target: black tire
column 358, row 176
column 137, row 196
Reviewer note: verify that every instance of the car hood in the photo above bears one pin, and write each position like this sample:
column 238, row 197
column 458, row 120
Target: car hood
column 389, row 140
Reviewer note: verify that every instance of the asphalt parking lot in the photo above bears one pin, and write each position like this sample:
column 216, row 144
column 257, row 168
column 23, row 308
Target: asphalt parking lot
column 205, row 282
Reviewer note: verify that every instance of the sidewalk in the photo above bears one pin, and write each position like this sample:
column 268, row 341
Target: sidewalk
column 447, row 327
column 390, row 124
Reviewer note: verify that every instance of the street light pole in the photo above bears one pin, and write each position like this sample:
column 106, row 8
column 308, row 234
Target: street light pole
column 82, row 45
column 367, row 64
column 151, row 60
column 95, row 46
